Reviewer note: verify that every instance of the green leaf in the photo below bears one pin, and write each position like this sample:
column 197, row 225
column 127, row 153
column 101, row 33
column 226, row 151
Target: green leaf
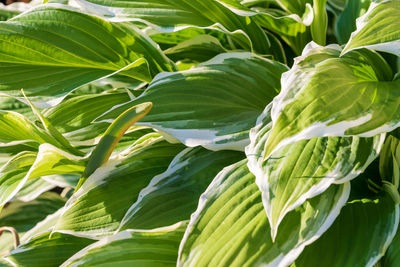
column 25, row 215
column 359, row 237
column 133, row 248
column 291, row 28
column 45, row 250
column 230, row 226
column 392, row 255
column 29, row 165
column 16, row 127
column 346, row 22
column 294, row 6
column 200, row 48
column 111, row 137
column 117, row 184
column 12, row 104
column 65, row 116
column 378, row 29
column 53, row 49
column 327, row 95
column 193, row 106
column 173, row 195
column 34, row 188
column 173, row 15
column 389, row 161
column 319, row 24
column 305, row 169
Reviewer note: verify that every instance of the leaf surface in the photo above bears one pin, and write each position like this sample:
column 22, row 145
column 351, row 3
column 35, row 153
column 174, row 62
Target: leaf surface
column 230, row 226
column 173, row 195
column 213, row 105
column 157, row 247
column 327, row 95
column 303, row 170
column 359, row 237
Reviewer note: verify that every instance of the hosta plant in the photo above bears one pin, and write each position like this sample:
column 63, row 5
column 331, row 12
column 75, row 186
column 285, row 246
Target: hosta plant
column 200, row 133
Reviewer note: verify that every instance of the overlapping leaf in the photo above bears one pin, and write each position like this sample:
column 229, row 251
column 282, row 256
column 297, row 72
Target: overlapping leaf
column 46, row 250
column 392, row 255
column 117, row 185
column 73, row 116
column 25, row 215
column 51, row 50
column 30, row 165
column 172, row 15
column 230, row 226
column 213, row 105
column 173, row 195
column 378, row 28
column 359, row 237
column 304, row 169
column 327, row 95
column 346, row 22
column 157, row 247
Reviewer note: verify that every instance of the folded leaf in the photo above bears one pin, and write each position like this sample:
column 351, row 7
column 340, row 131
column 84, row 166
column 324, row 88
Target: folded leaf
column 172, row 15
column 213, row 105
column 359, row 237
column 53, row 49
column 46, row 251
column 25, row 215
column 302, row 170
column 111, row 137
column 158, row 247
column 327, row 95
column 29, row 165
column 173, row 195
column 230, row 226
column 117, row 185
column 346, row 22
column 378, row 29
column 392, row 255
column 34, row 188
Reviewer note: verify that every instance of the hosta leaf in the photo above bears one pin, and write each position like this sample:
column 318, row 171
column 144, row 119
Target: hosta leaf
column 34, row 188
column 346, row 22
column 29, row 165
column 111, row 137
column 199, row 48
column 44, row 226
column 12, row 104
column 157, row 247
column 12, row 175
column 392, row 255
column 25, row 215
column 193, row 106
column 16, row 127
column 389, row 161
column 45, row 250
column 378, row 29
column 117, row 185
column 172, row 15
column 73, row 116
column 230, row 226
column 289, row 27
column 359, row 236
column 294, row 6
column 302, row 170
column 173, row 195
column 51, row 50
column 327, row 95
column 62, row 180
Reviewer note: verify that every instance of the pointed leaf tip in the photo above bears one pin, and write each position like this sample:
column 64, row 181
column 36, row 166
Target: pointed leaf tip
column 111, row 137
